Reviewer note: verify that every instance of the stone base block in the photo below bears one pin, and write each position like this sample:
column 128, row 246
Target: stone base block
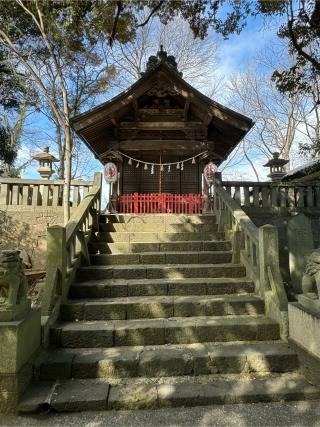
column 20, row 340
column 304, row 328
column 309, row 364
column 310, row 303
column 304, row 335
column 12, row 387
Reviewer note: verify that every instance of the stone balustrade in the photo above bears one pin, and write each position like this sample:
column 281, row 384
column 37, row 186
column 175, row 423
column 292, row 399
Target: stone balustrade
column 257, row 248
column 274, row 195
column 66, row 248
column 40, row 192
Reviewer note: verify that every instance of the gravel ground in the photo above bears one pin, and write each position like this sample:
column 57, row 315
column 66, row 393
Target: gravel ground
column 306, row 413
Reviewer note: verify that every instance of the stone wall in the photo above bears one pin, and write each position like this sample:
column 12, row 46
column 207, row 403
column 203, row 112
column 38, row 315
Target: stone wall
column 25, row 228
column 304, row 335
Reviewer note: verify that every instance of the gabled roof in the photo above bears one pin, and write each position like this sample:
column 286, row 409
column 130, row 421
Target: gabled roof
column 224, row 127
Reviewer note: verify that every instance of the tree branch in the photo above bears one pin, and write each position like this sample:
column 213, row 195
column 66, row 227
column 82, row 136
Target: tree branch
column 151, row 14
column 115, row 23
column 298, row 46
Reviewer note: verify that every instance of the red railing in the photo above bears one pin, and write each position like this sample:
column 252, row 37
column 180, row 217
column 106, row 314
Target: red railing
column 161, row 203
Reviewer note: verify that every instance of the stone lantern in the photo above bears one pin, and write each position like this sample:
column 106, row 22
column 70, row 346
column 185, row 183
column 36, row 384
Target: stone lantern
column 276, row 165
column 45, row 160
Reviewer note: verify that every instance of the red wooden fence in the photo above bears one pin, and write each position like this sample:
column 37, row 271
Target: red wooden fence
column 161, row 203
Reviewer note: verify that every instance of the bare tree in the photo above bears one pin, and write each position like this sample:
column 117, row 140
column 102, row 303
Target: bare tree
column 310, row 128
column 197, row 59
column 276, row 115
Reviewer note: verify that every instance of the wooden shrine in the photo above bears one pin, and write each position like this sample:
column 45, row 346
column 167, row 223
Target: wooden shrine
column 160, row 133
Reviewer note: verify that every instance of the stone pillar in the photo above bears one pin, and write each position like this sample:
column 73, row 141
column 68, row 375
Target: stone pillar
column 115, row 191
column 20, row 331
column 271, row 283
column 206, row 206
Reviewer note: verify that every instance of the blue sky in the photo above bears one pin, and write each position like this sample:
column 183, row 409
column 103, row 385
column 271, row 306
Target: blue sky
column 234, row 55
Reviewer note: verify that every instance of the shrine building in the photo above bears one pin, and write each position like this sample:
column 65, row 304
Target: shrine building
column 160, row 133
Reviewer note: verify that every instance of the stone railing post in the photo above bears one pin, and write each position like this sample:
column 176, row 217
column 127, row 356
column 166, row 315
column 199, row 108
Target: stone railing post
column 206, row 204
column 97, row 182
column 4, row 194
column 56, row 267
column 220, row 212
column 237, row 244
column 20, row 331
column 271, row 284
column 268, row 253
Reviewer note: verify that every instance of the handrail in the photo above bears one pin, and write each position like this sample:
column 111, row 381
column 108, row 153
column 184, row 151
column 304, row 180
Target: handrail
column 257, row 248
column 240, row 216
column 80, row 213
column 66, row 249
column 43, row 181
column 245, row 183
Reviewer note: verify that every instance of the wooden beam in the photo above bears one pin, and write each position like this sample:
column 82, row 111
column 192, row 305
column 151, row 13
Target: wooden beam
column 161, row 125
column 109, row 108
column 175, row 145
column 115, row 123
column 136, row 109
column 158, row 142
column 186, row 109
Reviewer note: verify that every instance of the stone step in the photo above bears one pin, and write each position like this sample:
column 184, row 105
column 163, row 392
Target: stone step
column 155, row 237
column 168, row 360
column 205, row 257
column 164, row 331
column 99, row 394
column 138, row 247
column 150, row 271
column 129, row 288
column 161, row 307
column 157, row 219
column 160, row 227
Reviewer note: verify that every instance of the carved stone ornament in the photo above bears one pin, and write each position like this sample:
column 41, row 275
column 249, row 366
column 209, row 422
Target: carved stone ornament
column 311, row 276
column 13, row 286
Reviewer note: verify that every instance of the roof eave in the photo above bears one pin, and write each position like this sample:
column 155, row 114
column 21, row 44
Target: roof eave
column 145, row 77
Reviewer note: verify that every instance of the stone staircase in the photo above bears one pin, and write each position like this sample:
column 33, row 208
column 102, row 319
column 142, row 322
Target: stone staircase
column 162, row 317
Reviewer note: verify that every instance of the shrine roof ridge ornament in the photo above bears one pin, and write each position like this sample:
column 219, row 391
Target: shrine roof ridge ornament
column 162, row 58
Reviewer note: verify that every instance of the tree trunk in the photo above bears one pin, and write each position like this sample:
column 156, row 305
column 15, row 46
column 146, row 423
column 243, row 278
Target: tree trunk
column 68, row 151
column 67, row 179
column 291, row 127
column 251, row 163
column 61, row 151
